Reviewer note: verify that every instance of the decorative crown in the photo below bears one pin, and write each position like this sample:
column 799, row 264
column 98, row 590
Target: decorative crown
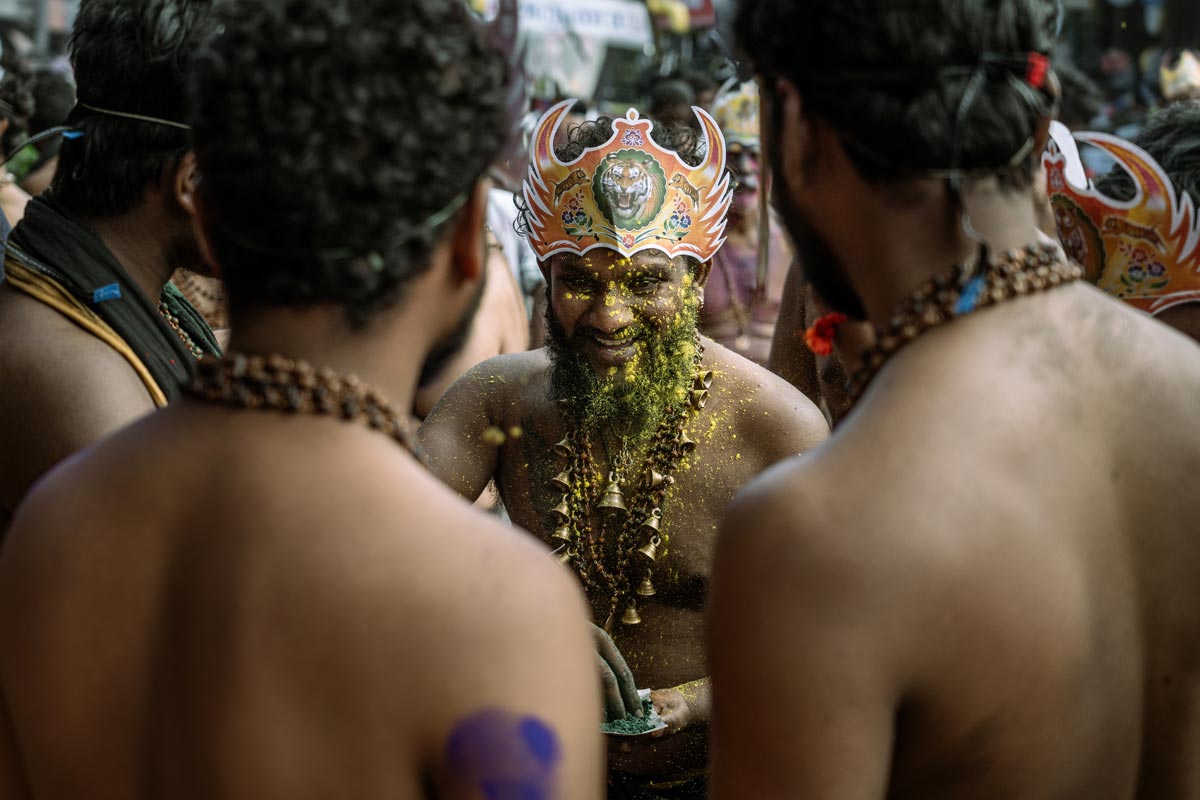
column 736, row 110
column 1145, row 251
column 1182, row 81
column 628, row 194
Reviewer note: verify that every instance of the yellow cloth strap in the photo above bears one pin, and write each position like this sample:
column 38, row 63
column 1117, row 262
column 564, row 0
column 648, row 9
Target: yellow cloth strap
column 49, row 292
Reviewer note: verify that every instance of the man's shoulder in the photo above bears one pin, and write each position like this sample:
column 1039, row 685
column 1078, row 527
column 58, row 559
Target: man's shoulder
column 764, row 405
column 41, row 344
column 60, row 389
column 501, row 376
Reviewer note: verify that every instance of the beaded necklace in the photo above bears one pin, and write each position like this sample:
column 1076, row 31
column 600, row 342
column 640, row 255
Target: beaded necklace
column 277, row 383
column 172, row 320
column 960, row 291
column 629, row 503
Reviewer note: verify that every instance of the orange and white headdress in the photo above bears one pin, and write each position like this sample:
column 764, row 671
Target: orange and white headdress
column 1145, row 251
column 628, row 194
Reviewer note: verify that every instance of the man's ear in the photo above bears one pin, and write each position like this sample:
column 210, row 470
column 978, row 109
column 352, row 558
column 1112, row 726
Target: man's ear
column 201, row 216
column 702, row 273
column 1041, row 134
column 470, row 235
column 795, row 139
column 186, row 182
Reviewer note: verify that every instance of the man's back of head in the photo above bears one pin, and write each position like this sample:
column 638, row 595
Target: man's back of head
column 981, row 600
column 130, row 58
column 343, row 145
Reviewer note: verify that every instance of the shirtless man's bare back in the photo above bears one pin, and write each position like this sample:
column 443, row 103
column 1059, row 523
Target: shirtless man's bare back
column 227, row 600
column 623, row 329
column 985, row 584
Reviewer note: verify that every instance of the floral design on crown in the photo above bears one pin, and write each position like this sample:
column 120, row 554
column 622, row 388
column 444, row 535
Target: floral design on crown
column 628, row 195
column 1145, row 251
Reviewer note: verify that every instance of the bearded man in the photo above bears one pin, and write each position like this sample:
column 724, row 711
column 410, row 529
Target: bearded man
column 985, row 584
column 621, row 442
column 225, row 599
column 92, row 335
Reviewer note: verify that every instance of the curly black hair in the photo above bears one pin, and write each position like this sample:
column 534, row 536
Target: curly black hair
column 904, row 123
column 1173, row 140
column 131, row 56
column 16, row 104
column 330, row 134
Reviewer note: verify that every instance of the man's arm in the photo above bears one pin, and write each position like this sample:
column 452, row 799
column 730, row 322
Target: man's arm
column 790, row 357
column 461, row 438
column 61, row 390
column 530, row 721
column 801, row 648
column 784, row 423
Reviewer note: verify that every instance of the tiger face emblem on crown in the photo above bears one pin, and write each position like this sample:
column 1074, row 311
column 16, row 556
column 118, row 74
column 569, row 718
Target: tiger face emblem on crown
column 628, row 194
column 629, row 188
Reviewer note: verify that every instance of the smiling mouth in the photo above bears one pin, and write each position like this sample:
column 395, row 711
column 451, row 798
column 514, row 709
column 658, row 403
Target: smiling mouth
column 615, row 344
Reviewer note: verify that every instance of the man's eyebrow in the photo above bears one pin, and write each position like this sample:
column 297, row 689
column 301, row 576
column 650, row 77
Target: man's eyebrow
column 575, row 264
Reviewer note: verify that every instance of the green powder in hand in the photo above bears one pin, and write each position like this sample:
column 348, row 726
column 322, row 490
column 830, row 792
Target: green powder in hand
column 631, row 726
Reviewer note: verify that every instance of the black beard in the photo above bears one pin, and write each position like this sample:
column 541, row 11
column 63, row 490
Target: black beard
column 634, row 407
column 445, row 349
column 821, row 266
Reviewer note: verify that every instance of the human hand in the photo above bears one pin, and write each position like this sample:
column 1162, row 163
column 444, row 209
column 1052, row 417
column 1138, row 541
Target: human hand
column 621, row 698
column 682, row 707
column 673, row 709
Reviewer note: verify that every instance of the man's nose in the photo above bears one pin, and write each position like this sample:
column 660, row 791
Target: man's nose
column 611, row 313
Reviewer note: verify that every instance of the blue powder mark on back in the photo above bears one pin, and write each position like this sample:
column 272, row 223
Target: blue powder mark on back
column 504, row 756
column 541, row 740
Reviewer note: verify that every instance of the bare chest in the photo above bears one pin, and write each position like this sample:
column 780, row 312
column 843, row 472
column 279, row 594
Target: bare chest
column 664, row 537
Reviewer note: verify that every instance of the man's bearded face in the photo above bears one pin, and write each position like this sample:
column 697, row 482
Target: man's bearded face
column 448, row 347
column 622, row 333
column 821, row 265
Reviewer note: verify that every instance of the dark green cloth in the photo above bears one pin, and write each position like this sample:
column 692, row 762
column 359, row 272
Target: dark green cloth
column 57, row 244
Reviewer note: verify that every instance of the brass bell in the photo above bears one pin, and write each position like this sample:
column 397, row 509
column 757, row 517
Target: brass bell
column 614, row 498
column 565, row 556
column 564, row 534
column 647, row 587
column 631, row 616
column 654, row 520
column 562, row 480
column 699, row 398
column 654, row 479
column 686, row 444
column 562, row 509
column 564, row 448
column 704, row 380
column 650, row 551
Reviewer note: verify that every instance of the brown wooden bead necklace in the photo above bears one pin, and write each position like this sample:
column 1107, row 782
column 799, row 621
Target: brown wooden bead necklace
column 276, row 383
column 961, row 291
column 631, row 508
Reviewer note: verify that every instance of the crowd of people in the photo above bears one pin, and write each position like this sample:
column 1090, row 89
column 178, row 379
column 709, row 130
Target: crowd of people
column 361, row 436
